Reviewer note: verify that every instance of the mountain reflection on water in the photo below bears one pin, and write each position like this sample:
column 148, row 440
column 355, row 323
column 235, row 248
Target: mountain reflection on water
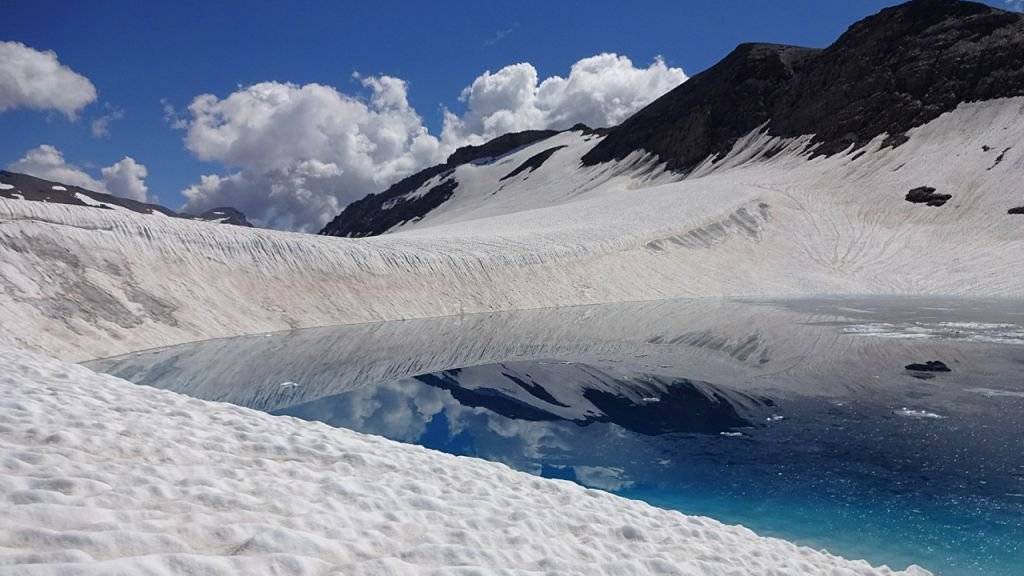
column 818, row 421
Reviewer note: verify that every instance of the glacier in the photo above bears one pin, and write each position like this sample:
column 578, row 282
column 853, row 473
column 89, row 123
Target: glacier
column 768, row 219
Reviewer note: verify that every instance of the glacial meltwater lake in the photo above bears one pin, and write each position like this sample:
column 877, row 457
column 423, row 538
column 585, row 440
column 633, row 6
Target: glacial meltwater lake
column 889, row 429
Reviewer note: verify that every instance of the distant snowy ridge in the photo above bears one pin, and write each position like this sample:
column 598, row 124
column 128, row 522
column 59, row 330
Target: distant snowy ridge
column 84, row 283
column 16, row 186
column 99, row 480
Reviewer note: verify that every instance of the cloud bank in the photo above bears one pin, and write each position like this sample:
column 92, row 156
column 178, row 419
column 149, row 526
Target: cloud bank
column 296, row 155
column 33, row 79
column 300, row 153
column 125, row 178
column 600, row 91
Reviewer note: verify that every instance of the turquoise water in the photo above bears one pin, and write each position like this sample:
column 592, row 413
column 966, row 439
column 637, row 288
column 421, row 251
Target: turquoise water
column 857, row 480
column 801, row 422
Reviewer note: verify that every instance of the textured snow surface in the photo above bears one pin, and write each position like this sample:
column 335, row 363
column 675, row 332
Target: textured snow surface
column 84, row 283
column 100, row 476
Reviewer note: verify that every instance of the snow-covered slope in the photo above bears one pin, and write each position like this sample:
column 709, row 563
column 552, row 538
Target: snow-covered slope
column 86, row 283
column 104, row 477
column 888, row 73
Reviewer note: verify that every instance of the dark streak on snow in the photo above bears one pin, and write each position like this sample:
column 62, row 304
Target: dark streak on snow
column 533, row 162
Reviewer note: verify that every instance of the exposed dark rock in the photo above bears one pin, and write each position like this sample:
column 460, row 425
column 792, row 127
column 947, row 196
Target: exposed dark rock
column 368, row 217
column 927, row 195
column 373, row 215
column 587, row 130
column 30, row 188
column 929, row 366
column 707, row 113
column 36, row 189
column 888, row 73
column 498, row 147
column 1000, row 158
column 223, row 215
column 377, row 213
column 1017, row 210
column 533, row 162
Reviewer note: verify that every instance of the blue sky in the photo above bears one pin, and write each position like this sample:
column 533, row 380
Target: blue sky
column 138, row 54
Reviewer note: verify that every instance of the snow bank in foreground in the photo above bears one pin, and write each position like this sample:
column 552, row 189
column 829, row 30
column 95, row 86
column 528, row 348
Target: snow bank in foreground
column 99, row 476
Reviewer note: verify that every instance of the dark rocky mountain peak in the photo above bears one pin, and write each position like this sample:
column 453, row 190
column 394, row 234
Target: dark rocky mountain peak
column 24, row 187
column 888, row 73
column 223, row 215
column 497, row 147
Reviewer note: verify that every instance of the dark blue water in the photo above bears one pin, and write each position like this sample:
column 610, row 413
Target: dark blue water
column 813, row 432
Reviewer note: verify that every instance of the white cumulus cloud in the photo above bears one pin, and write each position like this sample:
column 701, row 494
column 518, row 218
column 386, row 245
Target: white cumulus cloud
column 100, row 125
column 33, row 79
column 602, row 90
column 172, row 117
column 295, row 155
column 301, row 153
column 125, row 178
column 47, row 162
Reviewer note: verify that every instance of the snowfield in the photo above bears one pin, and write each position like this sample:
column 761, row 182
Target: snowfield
column 81, row 283
column 100, row 476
